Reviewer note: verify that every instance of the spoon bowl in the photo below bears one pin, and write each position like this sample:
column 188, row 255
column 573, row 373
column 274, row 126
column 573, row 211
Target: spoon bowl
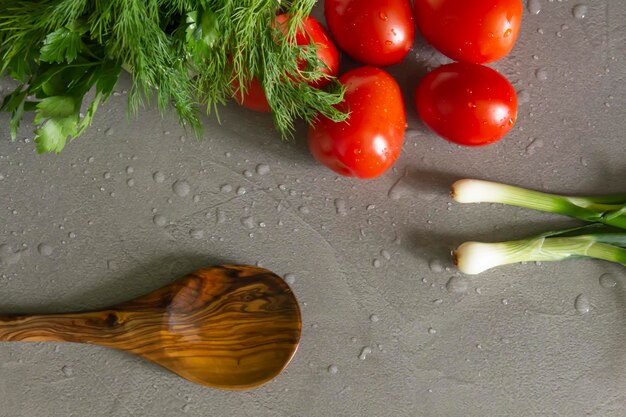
column 229, row 327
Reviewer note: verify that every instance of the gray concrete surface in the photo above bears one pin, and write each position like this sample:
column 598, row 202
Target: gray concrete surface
column 369, row 261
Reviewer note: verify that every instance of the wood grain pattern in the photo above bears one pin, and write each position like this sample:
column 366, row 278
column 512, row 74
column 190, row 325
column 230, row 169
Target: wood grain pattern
column 230, row 327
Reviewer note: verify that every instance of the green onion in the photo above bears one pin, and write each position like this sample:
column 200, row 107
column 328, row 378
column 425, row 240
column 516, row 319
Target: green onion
column 594, row 241
column 610, row 209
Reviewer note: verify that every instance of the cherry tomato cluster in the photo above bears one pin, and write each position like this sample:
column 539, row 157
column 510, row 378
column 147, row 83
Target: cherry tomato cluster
column 463, row 102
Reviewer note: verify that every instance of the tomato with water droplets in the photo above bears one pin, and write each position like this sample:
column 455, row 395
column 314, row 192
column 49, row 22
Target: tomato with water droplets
column 477, row 31
column 468, row 104
column 374, row 32
column 369, row 142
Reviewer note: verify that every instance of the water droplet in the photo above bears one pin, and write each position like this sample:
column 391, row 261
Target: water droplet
column 534, row 6
column 580, row 11
column 67, row 371
column 364, row 352
column 304, row 210
column 112, row 265
column 44, row 249
column 196, row 233
column 541, row 74
column 385, row 254
column 523, row 97
column 374, row 318
column 130, row 182
column 262, row 169
column 431, row 330
column 181, row 188
column 130, row 170
column 226, row 188
column 186, row 408
column 382, row 16
column 71, row 235
column 106, row 175
column 608, row 281
column 532, row 147
column 109, row 131
column 435, row 265
column 505, row 301
column 582, row 304
column 159, row 220
column 90, row 159
column 196, row 198
column 8, row 256
column 332, row 369
column 158, row 177
column 438, row 301
column 290, row 278
column 341, row 207
column 508, row 32
column 247, row 173
column 457, row 285
column 388, row 42
column 220, row 216
column 248, row 222
column 376, row 263
column 241, row 190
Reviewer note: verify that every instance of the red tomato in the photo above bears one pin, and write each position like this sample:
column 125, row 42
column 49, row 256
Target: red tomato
column 375, row 32
column 468, row 104
column 327, row 52
column 369, row 142
column 477, row 31
column 254, row 98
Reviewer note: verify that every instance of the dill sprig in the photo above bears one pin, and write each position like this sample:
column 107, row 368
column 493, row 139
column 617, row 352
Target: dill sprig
column 183, row 53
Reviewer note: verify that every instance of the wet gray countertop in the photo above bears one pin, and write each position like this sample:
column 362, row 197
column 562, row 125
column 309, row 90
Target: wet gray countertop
column 369, row 261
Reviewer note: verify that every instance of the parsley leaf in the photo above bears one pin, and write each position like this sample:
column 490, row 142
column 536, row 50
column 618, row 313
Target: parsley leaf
column 53, row 134
column 62, row 45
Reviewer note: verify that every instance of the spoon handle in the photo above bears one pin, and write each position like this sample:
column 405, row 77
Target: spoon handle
column 91, row 327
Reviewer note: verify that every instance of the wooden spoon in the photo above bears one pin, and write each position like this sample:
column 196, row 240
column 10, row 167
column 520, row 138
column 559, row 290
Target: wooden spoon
column 230, row 327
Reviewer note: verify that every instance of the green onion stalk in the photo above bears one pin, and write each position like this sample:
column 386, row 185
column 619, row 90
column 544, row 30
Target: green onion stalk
column 608, row 209
column 595, row 241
